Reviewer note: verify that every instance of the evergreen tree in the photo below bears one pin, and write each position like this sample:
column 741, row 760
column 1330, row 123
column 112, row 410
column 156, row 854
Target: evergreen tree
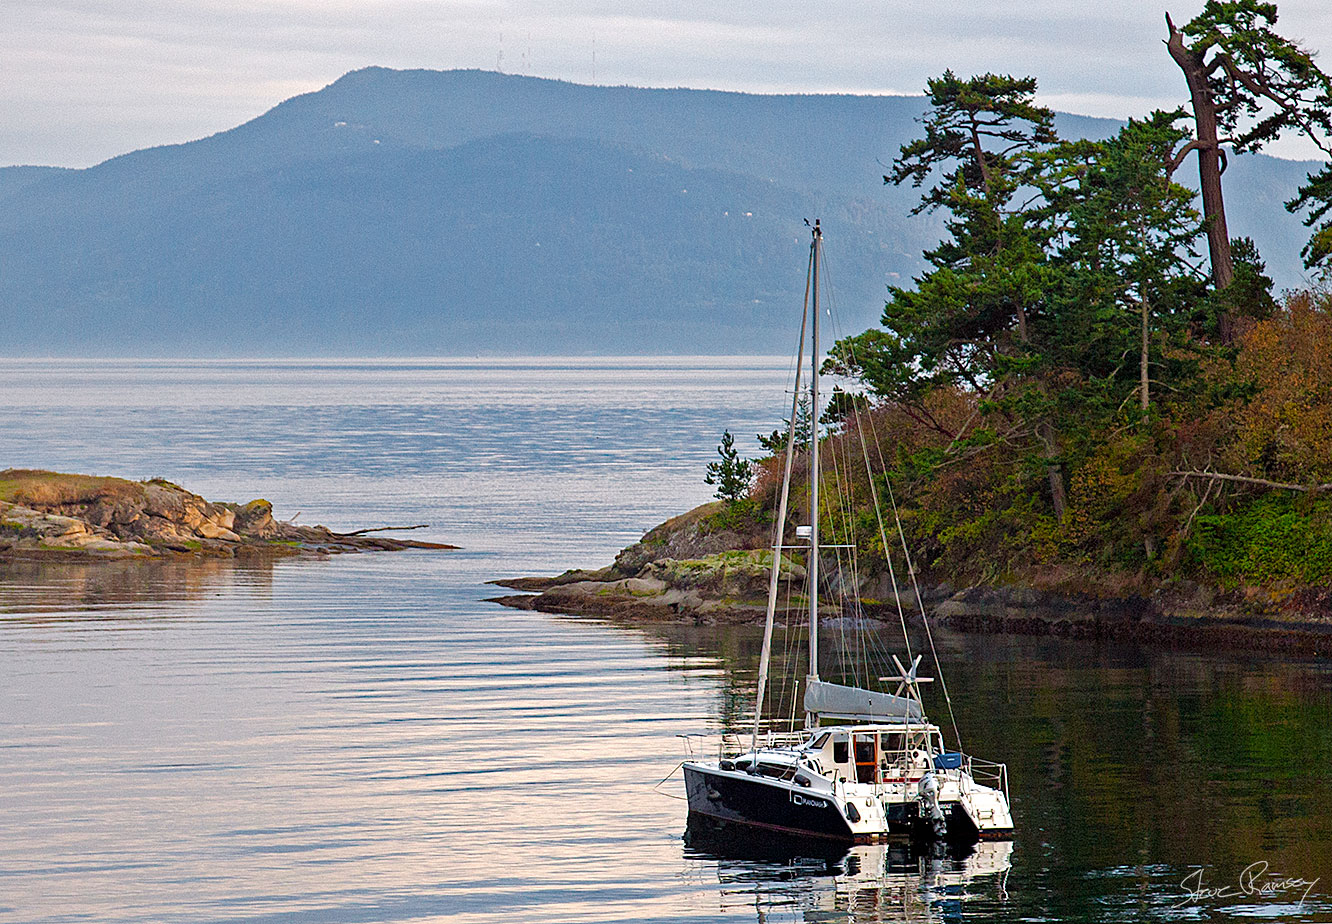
column 775, row 442
column 730, row 474
column 973, row 308
column 1316, row 196
column 973, row 305
column 1123, row 251
column 975, row 319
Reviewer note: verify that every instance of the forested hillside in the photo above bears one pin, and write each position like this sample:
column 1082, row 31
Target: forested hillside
column 1093, row 387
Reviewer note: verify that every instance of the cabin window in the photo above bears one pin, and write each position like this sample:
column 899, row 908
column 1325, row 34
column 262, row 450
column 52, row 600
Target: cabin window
column 841, row 754
column 818, row 743
column 892, row 741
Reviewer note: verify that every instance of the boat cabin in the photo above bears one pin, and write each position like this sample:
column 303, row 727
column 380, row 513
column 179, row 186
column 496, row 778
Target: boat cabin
column 876, row 753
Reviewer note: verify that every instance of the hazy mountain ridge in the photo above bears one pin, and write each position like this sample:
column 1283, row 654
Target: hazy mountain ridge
column 467, row 211
column 15, row 179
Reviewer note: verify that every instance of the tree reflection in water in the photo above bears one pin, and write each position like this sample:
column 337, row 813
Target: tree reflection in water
column 73, row 591
column 1130, row 768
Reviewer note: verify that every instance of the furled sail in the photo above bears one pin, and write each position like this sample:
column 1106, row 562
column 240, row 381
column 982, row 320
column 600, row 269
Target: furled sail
column 838, row 702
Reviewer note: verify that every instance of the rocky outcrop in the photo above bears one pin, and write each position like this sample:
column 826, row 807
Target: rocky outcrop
column 687, row 570
column 702, row 532
column 23, row 529
column 51, row 515
column 697, row 567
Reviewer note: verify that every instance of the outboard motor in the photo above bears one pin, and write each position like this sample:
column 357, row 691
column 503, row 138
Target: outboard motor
column 927, row 795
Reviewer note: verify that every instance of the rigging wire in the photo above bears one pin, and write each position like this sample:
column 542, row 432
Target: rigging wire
column 792, row 649
column 863, row 635
column 795, row 650
column 839, row 495
column 883, row 534
column 869, row 475
column 779, row 528
column 929, row 634
column 846, row 559
column 849, row 602
column 906, row 554
column 864, row 648
column 869, row 650
column 911, row 570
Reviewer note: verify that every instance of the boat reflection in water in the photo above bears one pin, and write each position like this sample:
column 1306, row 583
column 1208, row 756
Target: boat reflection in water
column 802, row 881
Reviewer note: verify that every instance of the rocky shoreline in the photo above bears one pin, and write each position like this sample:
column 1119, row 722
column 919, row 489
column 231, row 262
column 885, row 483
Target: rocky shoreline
column 687, row 571
column 48, row 515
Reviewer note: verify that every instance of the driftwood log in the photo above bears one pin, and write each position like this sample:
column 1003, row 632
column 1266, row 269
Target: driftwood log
column 383, row 529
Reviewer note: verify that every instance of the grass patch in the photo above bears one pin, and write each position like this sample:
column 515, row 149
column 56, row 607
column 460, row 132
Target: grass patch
column 39, row 489
column 742, row 516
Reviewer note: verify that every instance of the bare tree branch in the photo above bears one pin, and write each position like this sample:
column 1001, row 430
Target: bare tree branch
column 1260, row 482
column 1184, row 152
column 1207, row 493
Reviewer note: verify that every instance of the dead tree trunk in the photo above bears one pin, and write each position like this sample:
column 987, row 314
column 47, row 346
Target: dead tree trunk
column 1209, row 164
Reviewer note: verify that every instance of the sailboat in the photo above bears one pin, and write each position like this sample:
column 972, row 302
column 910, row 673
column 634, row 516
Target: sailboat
column 868, row 765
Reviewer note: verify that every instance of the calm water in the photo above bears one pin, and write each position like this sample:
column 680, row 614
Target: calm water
column 363, row 739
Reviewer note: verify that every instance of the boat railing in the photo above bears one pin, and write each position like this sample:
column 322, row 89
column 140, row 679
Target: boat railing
column 788, row 739
column 989, row 773
column 688, row 740
column 735, row 745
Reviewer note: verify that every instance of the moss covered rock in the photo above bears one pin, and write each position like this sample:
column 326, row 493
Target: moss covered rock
column 735, row 573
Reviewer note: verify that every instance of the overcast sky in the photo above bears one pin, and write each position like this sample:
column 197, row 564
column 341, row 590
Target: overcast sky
column 84, row 80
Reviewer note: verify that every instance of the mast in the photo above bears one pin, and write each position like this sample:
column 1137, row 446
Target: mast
column 813, row 568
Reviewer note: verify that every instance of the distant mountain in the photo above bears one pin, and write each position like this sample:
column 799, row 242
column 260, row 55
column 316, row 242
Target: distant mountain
column 13, row 179
column 425, row 212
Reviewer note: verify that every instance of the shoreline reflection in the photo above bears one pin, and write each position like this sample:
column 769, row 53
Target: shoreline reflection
column 35, row 592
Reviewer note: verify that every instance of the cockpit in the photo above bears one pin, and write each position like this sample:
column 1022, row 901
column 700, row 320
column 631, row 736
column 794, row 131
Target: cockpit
column 876, row 754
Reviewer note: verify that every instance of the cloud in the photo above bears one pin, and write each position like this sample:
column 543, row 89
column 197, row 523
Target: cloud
column 83, row 80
